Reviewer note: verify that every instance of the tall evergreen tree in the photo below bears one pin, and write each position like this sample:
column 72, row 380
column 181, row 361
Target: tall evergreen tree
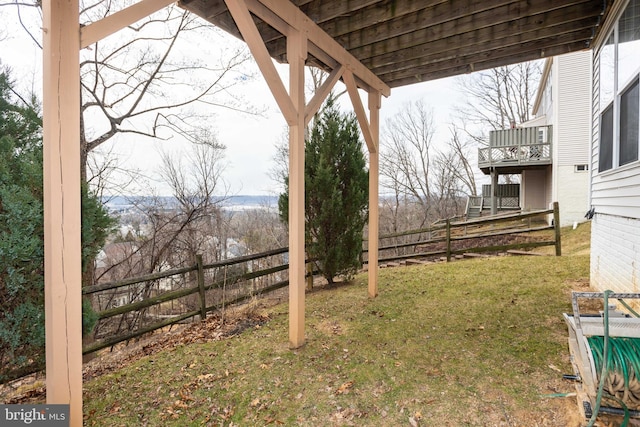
column 336, row 193
column 22, row 233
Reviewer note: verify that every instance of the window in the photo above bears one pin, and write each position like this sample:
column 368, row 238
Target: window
column 607, row 71
column 606, row 139
column 619, row 92
column 629, row 118
column 581, row 168
column 629, row 43
column 542, row 135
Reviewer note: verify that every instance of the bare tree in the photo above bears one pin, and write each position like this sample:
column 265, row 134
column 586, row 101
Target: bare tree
column 457, row 161
column 145, row 81
column 406, row 156
column 199, row 190
column 142, row 84
column 501, row 97
column 279, row 170
column 172, row 230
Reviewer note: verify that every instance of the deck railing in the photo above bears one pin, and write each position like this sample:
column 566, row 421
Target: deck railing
column 517, row 147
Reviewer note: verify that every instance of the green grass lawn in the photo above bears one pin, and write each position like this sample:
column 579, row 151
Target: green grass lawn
column 471, row 343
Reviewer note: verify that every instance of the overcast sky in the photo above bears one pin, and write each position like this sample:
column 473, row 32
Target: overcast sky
column 250, row 140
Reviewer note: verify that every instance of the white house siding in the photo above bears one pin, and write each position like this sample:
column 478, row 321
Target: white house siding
column 617, row 192
column 573, row 190
column 595, row 121
column 615, row 253
column 615, row 197
column 571, row 96
column 572, row 104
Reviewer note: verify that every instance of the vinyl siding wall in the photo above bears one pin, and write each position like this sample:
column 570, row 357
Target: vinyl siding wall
column 615, row 195
column 615, row 253
column 571, row 94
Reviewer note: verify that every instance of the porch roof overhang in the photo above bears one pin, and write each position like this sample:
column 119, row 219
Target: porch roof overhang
column 404, row 42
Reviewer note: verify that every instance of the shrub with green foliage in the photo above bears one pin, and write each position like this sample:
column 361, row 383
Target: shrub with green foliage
column 22, row 334
column 336, row 193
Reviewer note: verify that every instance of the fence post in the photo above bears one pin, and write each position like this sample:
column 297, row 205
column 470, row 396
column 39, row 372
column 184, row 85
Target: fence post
column 556, row 226
column 203, row 302
column 448, row 240
column 309, row 276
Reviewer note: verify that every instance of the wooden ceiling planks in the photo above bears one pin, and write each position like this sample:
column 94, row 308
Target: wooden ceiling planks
column 408, row 41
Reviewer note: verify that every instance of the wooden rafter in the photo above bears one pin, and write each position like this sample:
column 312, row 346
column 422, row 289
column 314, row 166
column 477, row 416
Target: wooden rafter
column 441, row 51
column 320, row 43
column 465, row 31
column 481, row 61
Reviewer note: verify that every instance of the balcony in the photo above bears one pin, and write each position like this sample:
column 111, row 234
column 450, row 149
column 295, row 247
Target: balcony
column 513, row 150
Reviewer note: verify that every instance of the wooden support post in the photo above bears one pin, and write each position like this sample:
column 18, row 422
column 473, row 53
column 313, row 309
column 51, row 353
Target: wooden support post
column 448, row 240
column 203, row 299
column 61, row 168
column 296, row 55
column 556, row 227
column 374, row 204
column 494, row 191
column 303, row 34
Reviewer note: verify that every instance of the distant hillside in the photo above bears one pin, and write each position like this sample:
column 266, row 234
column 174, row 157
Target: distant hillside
column 123, row 203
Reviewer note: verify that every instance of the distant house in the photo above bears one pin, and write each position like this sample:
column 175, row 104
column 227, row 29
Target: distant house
column 615, row 165
column 123, row 260
column 549, row 152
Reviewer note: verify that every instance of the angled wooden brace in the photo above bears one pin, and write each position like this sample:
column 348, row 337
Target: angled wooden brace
column 352, row 89
column 98, row 30
column 241, row 15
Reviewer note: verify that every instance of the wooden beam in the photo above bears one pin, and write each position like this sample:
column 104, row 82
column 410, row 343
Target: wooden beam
column 275, row 22
column 296, row 52
column 351, row 21
column 352, row 89
column 321, row 94
column 321, row 11
column 298, row 20
column 374, row 201
column 61, row 173
column 250, row 34
column 97, row 31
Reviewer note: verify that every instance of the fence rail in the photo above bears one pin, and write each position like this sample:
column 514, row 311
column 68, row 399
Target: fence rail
column 232, row 288
column 212, row 291
column 446, row 240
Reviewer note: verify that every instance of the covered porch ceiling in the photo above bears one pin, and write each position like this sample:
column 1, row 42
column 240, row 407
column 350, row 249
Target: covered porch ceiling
column 409, row 41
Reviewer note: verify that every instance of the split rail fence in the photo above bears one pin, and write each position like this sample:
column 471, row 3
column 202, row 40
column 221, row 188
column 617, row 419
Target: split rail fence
column 512, row 232
column 209, row 287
